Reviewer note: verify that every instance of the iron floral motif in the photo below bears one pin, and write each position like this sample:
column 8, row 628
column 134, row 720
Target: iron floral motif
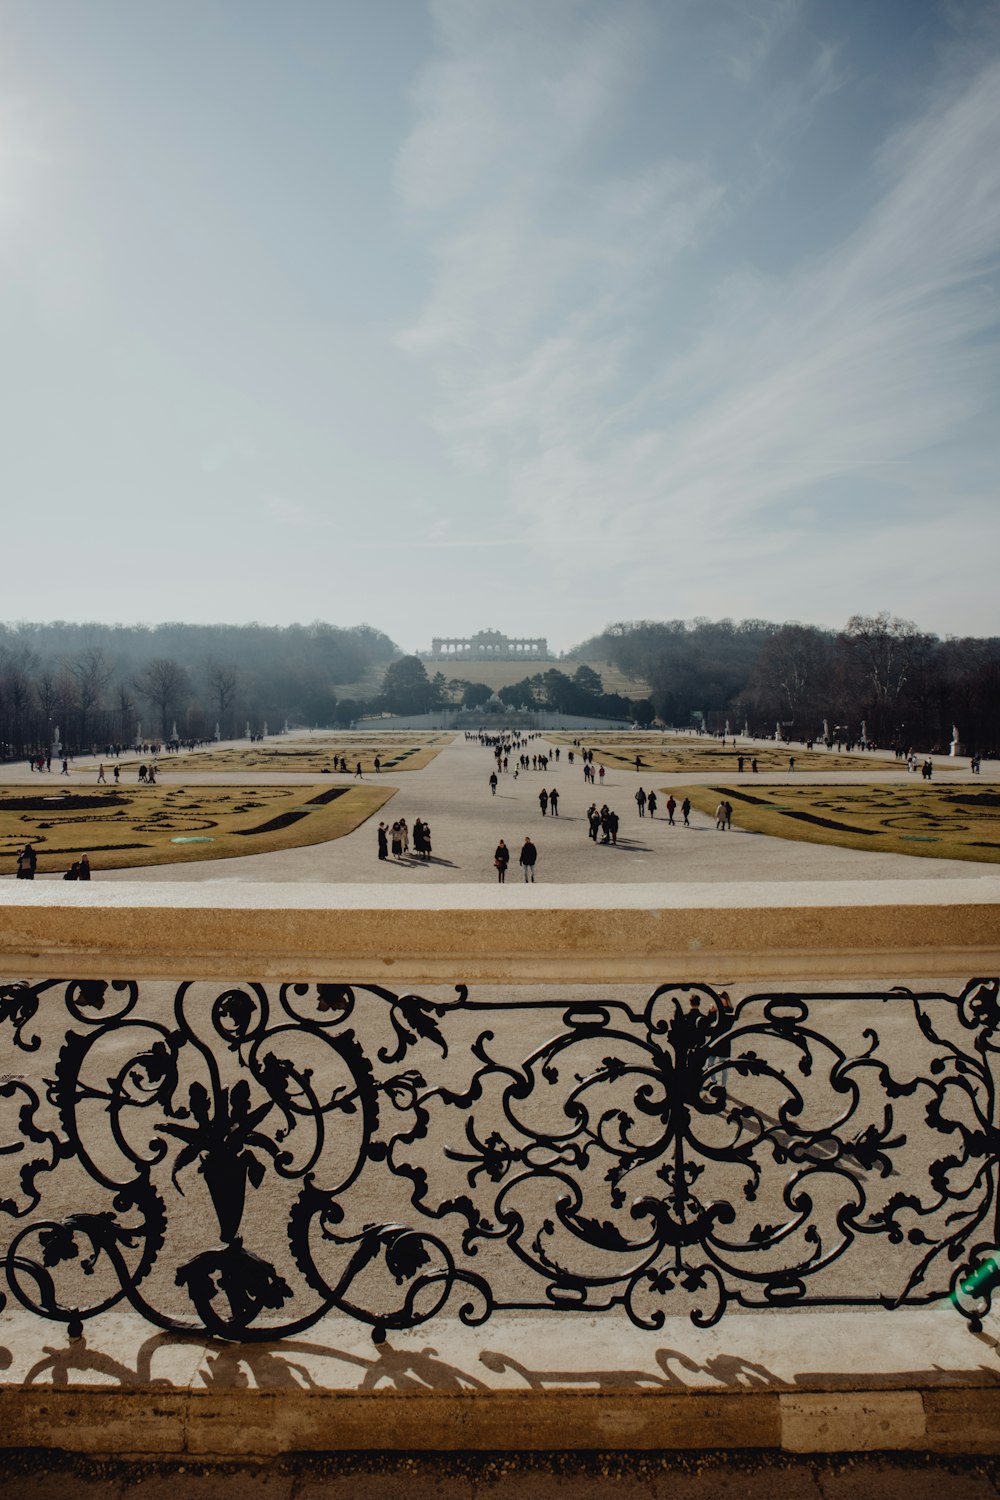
column 256, row 1158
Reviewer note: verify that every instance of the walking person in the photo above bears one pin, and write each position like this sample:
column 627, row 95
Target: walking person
column 729, row 813
column 501, row 858
column 543, row 801
column 528, row 859
column 640, row 800
column 720, row 816
column 554, row 803
column 100, row 775
column 397, row 842
column 493, row 782
column 671, row 808
column 27, row 863
column 651, row 804
column 383, row 842
column 686, row 809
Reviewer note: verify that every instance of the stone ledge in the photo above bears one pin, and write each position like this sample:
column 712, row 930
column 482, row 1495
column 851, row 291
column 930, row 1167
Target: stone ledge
column 647, row 933
column 260, row 1424
column 130, row 1392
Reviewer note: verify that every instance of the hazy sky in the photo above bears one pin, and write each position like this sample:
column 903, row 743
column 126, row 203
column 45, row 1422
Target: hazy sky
column 531, row 314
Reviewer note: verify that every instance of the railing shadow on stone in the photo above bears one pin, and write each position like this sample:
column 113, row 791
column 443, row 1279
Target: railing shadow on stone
column 242, row 1160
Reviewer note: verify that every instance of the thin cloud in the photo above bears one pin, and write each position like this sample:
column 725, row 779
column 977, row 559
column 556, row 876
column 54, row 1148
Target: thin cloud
column 879, row 352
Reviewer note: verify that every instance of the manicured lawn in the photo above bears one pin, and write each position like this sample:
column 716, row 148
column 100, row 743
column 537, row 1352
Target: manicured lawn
column 311, row 757
column 940, row 822
column 121, row 827
column 690, row 756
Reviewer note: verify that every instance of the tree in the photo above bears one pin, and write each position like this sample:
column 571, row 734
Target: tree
column 223, row 680
column 587, row 680
column 792, row 679
column 406, row 688
column 165, row 684
column 475, row 694
column 884, row 653
column 92, row 673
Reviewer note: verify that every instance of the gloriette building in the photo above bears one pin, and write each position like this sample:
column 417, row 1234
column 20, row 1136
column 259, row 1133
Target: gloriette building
column 489, row 645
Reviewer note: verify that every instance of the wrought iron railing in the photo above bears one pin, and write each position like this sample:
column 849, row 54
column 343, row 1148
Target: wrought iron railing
column 243, row 1160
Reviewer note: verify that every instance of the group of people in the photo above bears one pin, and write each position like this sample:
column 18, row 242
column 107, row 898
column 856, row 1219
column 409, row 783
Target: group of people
column 604, row 822
column 649, row 804
column 397, row 839
column 527, row 859
column 27, row 864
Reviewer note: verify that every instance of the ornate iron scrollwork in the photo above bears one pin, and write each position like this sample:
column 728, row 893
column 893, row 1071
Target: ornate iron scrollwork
column 244, row 1160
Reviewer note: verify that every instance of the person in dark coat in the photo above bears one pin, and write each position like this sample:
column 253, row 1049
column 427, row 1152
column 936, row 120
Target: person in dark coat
column 501, row 858
column 527, row 859
column 84, row 867
column 383, row 842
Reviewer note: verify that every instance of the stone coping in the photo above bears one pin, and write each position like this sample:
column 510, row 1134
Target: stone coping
column 650, row 933
column 227, row 894
column 806, row 1382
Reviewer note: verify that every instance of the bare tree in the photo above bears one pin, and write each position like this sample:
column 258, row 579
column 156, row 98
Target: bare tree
column 223, row 681
column 92, row 672
column 164, row 683
column 886, row 652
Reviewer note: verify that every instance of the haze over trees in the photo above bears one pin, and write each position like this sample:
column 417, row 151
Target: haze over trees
column 905, row 685
column 99, row 683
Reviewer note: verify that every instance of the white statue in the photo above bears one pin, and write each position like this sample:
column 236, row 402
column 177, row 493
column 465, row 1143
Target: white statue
column 954, row 747
column 218, row 735
column 725, row 732
column 777, row 732
column 265, row 726
column 864, row 731
column 173, row 730
column 826, row 729
column 746, row 730
column 248, row 728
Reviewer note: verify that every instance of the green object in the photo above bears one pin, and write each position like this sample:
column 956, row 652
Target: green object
column 982, row 1280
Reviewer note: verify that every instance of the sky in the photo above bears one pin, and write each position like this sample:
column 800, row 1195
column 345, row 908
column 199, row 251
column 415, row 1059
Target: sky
column 532, row 315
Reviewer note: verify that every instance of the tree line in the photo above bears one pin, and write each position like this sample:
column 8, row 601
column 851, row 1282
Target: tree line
column 99, row 684
column 407, row 689
column 102, row 684
column 903, row 685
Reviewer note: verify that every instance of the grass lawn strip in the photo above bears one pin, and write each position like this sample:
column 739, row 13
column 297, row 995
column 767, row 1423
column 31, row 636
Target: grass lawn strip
column 687, row 756
column 309, row 757
column 934, row 822
column 124, row 827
